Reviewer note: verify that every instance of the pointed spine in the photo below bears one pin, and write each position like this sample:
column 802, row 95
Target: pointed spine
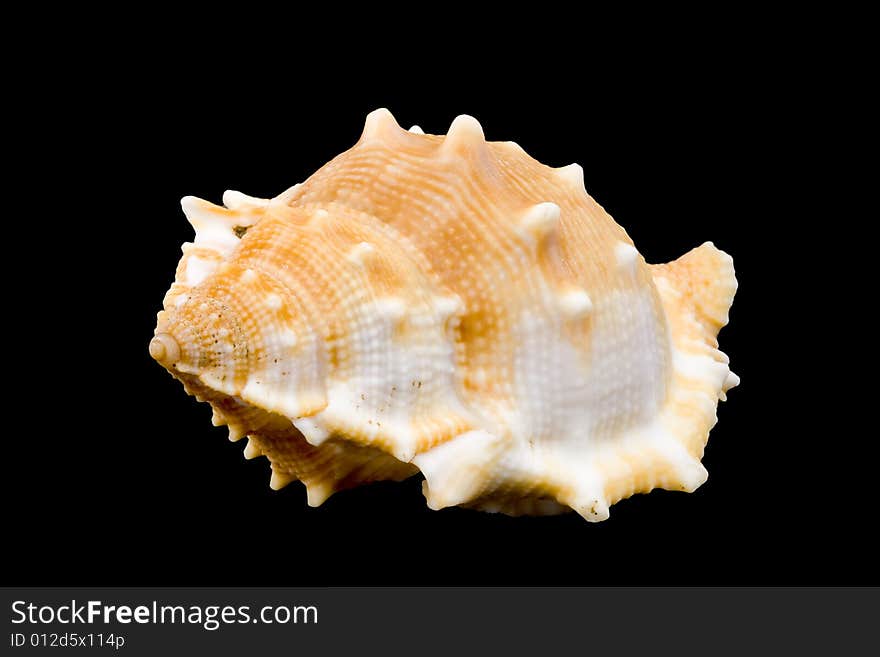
column 280, row 479
column 317, row 492
column 573, row 174
column 237, row 201
column 200, row 212
column 465, row 135
column 252, row 450
column 730, row 381
column 379, row 125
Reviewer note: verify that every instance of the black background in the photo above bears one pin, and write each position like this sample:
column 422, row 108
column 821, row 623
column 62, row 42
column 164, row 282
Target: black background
column 119, row 477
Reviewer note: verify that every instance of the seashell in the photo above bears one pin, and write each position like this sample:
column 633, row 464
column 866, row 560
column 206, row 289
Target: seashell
column 448, row 305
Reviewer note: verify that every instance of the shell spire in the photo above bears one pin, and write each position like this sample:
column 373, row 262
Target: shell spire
column 449, row 306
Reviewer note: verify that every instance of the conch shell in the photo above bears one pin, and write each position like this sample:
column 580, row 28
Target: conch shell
column 451, row 306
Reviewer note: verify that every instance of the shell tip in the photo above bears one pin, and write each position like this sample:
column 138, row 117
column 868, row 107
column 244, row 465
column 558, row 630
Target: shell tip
column 627, row 256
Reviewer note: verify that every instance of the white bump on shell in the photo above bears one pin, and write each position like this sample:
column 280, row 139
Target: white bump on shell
column 288, row 338
column 540, row 220
column 378, row 122
column 448, row 305
column 360, row 253
column 393, row 308
column 197, row 270
column 416, row 130
column 464, row 132
column 626, row 256
column 575, row 303
column 731, row 381
column 573, row 173
column 273, row 301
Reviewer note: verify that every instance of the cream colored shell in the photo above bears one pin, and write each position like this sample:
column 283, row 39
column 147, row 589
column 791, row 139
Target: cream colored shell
column 451, row 306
